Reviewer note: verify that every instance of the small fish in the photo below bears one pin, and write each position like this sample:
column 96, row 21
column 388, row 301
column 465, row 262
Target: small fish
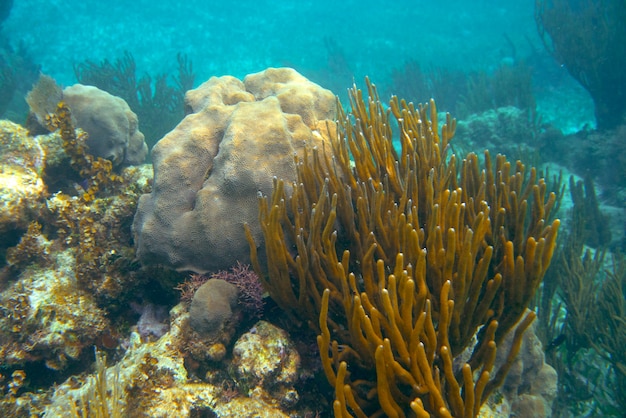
column 560, row 339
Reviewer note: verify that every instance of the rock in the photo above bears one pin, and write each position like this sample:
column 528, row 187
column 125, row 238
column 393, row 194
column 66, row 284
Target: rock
column 266, row 361
column 155, row 374
column 211, row 167
column 22, row 190
column 47, row 319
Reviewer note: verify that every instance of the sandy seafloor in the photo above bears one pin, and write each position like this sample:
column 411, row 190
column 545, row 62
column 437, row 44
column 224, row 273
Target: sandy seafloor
column 242, row 37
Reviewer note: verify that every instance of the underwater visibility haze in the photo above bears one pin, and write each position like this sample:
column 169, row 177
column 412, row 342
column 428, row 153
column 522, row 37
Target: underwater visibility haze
column 312, row 209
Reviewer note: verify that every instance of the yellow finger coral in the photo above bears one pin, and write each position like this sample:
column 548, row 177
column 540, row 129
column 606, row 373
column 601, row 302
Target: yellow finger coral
column 412, row 266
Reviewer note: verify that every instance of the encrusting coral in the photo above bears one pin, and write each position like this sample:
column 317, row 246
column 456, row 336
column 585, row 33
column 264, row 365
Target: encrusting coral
column 413, row 269
column 22, row 190
column 74, row 258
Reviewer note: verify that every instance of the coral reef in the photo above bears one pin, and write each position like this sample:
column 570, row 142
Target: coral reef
column 159, row 106
column 405, row 261
column 22, row 189
column 209, row 169
column 585, row 37
column 111, row 126
column 152, row 379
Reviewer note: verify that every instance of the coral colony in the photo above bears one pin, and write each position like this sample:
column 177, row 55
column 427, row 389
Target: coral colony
column 284, row 254
column 247, row 282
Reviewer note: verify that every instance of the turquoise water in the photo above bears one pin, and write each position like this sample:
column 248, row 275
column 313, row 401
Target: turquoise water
column 370, row 38
column 241, row 37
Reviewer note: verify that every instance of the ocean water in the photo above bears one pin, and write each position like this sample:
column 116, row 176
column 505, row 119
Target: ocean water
column 335, row 44
column 238, row 38
column 241, row 37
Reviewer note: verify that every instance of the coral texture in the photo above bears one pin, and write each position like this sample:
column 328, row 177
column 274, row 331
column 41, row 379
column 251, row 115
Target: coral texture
column 214, row 308
column 266, row 361
column 22, row 191
column 151, row 381
column 531, row 384
column 209, row 169
column 111, row 125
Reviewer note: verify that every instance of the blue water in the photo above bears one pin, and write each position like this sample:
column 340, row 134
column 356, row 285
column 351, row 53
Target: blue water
column 246, row 36
column 237, row 38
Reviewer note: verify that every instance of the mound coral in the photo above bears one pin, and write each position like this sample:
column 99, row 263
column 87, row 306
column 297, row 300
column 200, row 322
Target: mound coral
column 111, row 126
column 209, row 169
column 213, row 307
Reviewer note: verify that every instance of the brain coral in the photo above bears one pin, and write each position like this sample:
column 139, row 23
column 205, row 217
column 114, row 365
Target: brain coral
column 209, row 169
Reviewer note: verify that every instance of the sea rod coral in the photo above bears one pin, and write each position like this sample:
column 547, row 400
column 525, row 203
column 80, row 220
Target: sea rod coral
column 413, row 268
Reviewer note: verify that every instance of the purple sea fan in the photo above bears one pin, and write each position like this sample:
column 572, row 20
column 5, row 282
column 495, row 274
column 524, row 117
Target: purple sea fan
column 249, row 285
